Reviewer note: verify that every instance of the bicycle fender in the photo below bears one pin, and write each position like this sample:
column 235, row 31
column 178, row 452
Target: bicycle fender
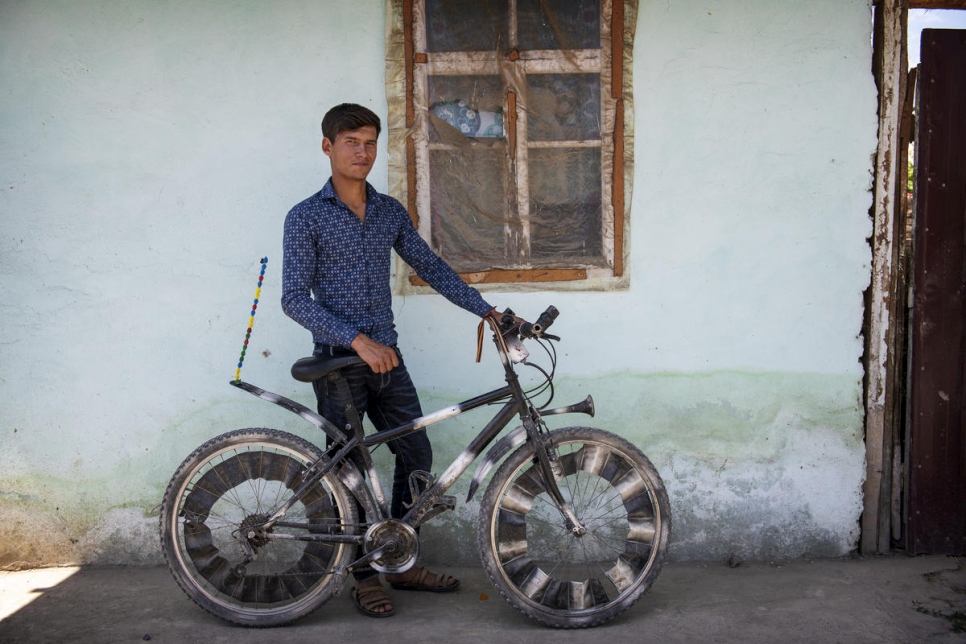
column 352, row 478
column 500, row 449
column 296, row 408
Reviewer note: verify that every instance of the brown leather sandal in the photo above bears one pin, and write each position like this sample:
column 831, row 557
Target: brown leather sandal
column 369, row 598
column 418, row 581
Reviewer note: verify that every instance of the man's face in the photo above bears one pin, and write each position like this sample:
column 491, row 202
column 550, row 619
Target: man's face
column 352, row 153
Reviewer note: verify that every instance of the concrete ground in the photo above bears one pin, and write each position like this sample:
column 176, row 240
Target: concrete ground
column 853, row 600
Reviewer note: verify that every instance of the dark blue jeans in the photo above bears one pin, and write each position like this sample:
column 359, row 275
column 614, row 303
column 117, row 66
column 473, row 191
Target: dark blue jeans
column 388, row 400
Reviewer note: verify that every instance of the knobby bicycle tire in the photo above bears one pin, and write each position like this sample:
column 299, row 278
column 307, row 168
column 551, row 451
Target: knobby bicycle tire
column 536, row 561
column 233, row 483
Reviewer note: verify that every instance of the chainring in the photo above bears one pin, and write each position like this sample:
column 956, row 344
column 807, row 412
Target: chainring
column 404, row 551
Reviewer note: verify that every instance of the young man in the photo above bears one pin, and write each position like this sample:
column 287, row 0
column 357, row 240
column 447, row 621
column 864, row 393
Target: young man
column 336, row 283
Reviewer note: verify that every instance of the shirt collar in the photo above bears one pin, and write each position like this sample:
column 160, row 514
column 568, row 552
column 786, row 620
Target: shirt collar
column 328, row 192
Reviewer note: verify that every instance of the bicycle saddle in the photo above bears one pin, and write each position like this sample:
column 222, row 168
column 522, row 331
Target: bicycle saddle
column 318, row 367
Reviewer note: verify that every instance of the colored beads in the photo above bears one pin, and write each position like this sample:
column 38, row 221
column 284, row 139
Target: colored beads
column 251, row 320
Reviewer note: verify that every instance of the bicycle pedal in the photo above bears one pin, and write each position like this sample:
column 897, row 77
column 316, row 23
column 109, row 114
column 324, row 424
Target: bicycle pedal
column 415, row 489
column 446, row 502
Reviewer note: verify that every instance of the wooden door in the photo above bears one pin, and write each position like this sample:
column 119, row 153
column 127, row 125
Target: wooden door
column 936, row 504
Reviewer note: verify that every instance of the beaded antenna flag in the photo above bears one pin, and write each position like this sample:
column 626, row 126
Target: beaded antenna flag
column 251, row 320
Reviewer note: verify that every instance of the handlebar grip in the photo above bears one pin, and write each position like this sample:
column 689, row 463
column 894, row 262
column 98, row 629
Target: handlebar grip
column 547, row 317
column 543, row 322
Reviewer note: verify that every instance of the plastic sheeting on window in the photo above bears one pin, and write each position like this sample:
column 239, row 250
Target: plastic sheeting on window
column 528, row 189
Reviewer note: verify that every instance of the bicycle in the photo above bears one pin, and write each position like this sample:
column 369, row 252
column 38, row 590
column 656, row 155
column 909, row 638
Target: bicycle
column 261, row 527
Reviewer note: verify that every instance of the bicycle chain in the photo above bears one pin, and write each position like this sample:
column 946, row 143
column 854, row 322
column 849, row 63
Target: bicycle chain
column 319, row 573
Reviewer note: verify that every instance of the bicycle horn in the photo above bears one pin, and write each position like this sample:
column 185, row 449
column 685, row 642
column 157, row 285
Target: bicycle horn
column 585, row 406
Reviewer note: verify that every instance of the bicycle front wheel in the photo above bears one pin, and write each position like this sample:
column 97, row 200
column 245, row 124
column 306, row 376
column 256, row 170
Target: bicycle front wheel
column 210, row 519
column 544, row 569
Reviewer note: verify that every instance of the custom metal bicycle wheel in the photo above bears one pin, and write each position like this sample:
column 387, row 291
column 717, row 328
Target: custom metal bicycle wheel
column 211, row 513
column 546, row 571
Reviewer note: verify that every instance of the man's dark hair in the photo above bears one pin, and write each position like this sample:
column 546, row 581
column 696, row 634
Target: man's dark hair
column 348, row 117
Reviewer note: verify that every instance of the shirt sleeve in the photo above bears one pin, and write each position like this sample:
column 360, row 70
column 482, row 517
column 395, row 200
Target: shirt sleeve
column 298, row 272
column 414, row 250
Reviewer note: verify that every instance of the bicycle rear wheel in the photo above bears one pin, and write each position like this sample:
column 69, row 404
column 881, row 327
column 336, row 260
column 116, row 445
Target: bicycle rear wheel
column 536, row 561
column 222, row 493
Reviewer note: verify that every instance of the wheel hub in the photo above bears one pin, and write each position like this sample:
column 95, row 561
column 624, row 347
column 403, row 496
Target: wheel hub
column 251, row 529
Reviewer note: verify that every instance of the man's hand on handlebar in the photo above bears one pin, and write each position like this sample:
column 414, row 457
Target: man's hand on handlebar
column 508, row 321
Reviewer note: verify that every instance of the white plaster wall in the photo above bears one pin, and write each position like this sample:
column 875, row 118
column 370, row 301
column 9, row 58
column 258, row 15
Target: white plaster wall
column 149, row 151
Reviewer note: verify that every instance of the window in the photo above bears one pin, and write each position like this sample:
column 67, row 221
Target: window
column 511, row 115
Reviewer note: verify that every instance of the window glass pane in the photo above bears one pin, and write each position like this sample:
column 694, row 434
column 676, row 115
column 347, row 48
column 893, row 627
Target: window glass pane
column 467, row 25
column 565, row 207
column 468, row 207
column 562, row 24
column 472, row 105
column 542, row 206
column 563, row 107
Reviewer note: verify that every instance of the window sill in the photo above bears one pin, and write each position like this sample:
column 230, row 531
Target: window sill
column 519, row 280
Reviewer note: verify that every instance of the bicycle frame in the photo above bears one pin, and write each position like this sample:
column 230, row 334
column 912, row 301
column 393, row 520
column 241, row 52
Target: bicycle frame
column 261, row 527
column 427, row 504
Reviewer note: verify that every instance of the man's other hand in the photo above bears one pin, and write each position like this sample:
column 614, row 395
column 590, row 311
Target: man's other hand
column 379, row 357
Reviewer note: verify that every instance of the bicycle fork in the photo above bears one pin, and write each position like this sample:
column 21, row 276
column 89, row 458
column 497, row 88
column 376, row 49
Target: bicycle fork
column 550, row 470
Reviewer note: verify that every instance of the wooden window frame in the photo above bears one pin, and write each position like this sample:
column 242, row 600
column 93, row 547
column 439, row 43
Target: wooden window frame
column 618, row 39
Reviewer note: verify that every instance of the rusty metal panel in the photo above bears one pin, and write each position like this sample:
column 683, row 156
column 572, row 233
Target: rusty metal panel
column 937, row 438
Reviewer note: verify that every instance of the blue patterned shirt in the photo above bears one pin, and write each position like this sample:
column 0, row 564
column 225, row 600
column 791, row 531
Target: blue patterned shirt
column 336, row 269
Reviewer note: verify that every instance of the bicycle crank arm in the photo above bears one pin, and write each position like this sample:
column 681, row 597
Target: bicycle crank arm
column 389, row 546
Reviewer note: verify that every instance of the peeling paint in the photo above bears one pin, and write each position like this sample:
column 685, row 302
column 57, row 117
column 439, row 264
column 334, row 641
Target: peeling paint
column 763, row 465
